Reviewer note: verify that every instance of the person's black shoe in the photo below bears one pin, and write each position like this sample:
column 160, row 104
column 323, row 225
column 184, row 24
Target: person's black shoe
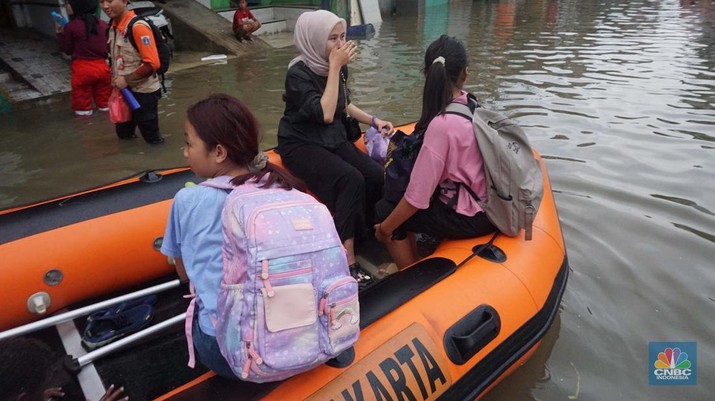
column 362, row 277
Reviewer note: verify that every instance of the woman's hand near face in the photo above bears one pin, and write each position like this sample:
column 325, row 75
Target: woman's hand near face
column 344, row 54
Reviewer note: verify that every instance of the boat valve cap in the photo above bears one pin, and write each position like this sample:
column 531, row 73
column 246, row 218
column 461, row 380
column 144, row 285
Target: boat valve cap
column 38, row 303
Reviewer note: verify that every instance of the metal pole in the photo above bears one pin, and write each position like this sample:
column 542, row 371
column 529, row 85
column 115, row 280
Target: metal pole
column 53, row 320
column 96, row 354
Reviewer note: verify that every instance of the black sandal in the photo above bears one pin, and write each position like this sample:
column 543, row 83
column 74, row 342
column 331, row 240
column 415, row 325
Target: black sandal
column 362, row 277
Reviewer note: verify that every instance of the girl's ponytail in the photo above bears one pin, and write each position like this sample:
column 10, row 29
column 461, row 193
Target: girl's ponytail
column 276, row 175
column 436, row 94
column 445, row 59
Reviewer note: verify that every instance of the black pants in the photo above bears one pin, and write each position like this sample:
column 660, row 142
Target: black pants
column 146, row 117
column 346, row 180
column 438, row 220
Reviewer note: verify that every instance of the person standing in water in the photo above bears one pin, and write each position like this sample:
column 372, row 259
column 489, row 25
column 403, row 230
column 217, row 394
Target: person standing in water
column 135, row 68
column 85, row 39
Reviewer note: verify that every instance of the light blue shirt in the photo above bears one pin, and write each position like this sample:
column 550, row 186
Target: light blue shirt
column 193, row 233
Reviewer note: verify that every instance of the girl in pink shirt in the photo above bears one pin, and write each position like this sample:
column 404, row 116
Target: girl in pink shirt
column 449, row 158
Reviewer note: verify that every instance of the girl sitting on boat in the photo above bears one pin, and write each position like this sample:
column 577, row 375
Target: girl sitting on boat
column 312, row 138
column 449, row 154
column 222, row 139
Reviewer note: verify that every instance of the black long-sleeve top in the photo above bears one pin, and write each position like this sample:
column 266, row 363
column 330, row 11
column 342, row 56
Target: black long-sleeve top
column 302, row 121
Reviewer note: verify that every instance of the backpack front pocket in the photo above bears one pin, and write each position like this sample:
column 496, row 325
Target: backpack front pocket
column 289, row 307
column 286, row 315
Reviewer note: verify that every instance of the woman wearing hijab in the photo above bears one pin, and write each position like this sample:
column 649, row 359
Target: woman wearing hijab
column 312, row 138
column 85, row 39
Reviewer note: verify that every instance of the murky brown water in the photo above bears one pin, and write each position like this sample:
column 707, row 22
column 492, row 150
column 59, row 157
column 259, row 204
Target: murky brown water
column 618, row 96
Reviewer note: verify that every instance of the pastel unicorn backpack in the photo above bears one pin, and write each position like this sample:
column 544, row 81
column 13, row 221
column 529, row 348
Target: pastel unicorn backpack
column 287, row 301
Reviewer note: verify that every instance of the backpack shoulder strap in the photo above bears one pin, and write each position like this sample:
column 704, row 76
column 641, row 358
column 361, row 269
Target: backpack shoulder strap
column 218, row 183
column 459, row 109
column 464, row 110
column 130, row 27
column 467, row 111
column 129, row 33
column 472, row 101
column 130, row 37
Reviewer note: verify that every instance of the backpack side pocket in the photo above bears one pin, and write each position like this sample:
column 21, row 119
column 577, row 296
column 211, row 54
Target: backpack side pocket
column 340, row 315
column 228, row 326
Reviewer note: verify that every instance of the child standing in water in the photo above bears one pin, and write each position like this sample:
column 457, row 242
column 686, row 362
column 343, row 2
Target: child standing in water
column 222, row 139
column 85, row 39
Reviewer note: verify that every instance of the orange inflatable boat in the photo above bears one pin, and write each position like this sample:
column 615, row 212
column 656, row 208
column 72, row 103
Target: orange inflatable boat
column 449, row 327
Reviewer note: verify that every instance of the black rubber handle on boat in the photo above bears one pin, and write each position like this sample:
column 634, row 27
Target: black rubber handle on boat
column 396, row 289
column 471, row 333
column 71, row 364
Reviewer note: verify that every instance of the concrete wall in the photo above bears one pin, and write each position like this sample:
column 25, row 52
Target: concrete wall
column 290, row 14
column 386, row 7
column 267, row 14
column 187, row 37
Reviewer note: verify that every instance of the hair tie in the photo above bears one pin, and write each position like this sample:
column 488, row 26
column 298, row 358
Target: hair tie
column 258, row 163
column 439, row 59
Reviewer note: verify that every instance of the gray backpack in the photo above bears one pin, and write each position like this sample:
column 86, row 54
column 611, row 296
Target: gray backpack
column 514, row 178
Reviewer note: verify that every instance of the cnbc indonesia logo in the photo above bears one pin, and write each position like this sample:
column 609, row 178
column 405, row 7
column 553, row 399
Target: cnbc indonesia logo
column 673, row 363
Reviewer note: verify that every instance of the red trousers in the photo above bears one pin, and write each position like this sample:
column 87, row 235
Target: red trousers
column 91, row 79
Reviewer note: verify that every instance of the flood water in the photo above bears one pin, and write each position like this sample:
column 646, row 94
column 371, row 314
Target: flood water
column 619, row 98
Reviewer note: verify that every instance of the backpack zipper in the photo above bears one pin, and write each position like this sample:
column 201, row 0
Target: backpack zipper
column 326, row 292
column 251, row 355
column 265, row 276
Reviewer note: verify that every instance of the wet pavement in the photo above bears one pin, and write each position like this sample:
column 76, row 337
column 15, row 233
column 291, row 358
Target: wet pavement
column 34, row 71
column 44, row 71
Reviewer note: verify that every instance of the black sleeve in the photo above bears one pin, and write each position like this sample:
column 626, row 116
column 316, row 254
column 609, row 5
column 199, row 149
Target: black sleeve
column 303, row 93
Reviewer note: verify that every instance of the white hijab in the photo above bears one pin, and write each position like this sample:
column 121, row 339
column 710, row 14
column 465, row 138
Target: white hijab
column 311, row 39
